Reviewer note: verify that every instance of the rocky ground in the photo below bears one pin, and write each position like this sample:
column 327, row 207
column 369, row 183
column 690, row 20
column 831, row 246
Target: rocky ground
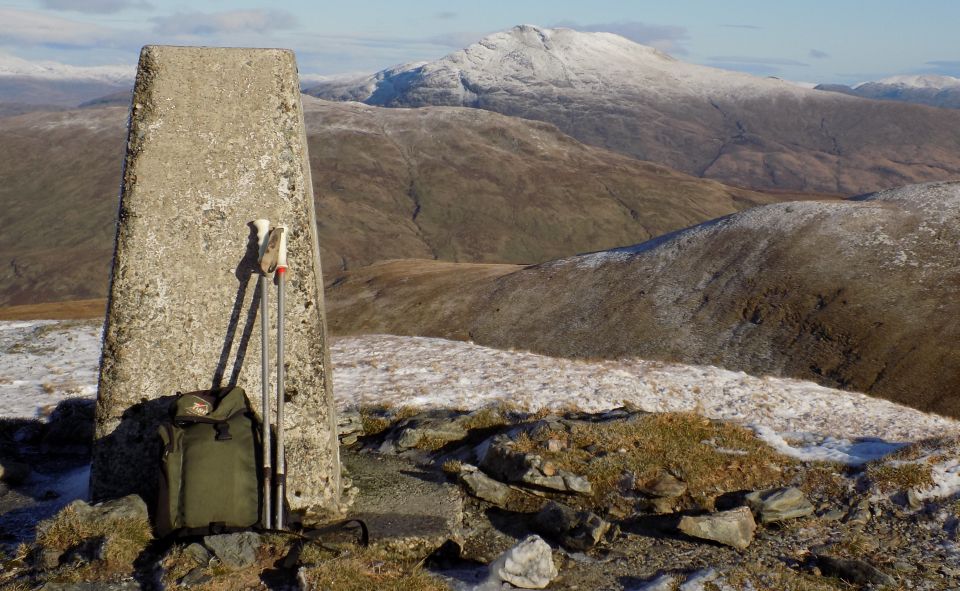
column 620, row 499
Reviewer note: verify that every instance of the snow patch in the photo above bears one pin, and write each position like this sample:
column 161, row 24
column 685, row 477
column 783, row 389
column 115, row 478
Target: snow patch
column 43, row 362
column 929, row 81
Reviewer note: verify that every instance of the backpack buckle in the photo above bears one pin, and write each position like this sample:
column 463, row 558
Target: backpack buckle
column 223, row 432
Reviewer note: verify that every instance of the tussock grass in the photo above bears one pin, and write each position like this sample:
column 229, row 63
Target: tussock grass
column 827, row 478
column 123, row 539
column 696, row 449
column 177, row 563
column 362, row 570
column 378, row 418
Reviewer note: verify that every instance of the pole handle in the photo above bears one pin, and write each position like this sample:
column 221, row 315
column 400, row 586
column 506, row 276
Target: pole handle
column 282, row 252
column 263, row 233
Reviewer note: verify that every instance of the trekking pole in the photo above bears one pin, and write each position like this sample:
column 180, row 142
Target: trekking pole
column 281, row 294
column 263, row 231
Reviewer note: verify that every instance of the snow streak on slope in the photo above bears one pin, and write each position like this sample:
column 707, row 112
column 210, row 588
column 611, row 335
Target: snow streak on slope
column 44, row 361
column 800, row 418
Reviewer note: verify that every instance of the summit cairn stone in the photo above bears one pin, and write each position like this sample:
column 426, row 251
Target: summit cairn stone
column 216, row 141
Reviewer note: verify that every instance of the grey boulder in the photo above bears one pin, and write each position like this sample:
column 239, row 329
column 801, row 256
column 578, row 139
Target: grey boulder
column 528, row 565
column 731, row 528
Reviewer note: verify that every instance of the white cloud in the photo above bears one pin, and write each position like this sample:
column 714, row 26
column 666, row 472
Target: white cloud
column 234, row 21
column 94, row 6
column 457, row 39
column 26, row 27
column 767, row 61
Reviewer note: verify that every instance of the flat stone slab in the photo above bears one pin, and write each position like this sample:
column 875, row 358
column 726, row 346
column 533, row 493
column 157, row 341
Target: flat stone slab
column 216, row 141
column 407, row 510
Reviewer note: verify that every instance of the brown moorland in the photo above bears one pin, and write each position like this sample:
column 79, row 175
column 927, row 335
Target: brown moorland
column 859, row 294
column 448, row 183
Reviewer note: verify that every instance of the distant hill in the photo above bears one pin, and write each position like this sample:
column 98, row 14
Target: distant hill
column 53, row 83
column 935, row 91
column 861, row 294
column 448, row 183
column 607, row 91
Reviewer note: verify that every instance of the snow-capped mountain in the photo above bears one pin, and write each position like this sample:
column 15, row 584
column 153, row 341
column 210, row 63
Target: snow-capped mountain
column 606, row 90
column 528, row 60
column 12, row 66
column 53, row 83
column 928, row 81
column 924, row 89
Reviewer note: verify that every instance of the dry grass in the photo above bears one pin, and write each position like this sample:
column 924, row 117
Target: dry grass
column 124, row 540
column 362, row 570
column 826, row 478
column 777, row 576
column 79, row 309
column 377, row 419
column 891, row 477
column 682, row 443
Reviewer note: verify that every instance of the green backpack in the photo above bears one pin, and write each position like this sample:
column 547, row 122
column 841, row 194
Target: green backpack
column 210, row 469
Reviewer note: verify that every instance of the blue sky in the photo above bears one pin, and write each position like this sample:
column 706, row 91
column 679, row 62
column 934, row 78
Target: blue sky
column 813, row 41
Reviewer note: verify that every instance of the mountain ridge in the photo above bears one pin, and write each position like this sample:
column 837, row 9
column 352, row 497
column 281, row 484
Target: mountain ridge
column 607, row 91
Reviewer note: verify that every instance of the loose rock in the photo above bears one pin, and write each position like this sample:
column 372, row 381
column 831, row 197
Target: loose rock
column 732, row 528
column 501, row 461
column 483, row 487
column 528, row 565
column 665, row 485
column 575, row 530
column 859, row 514
column 779, row 504
column 857, row 572
column 234, row 550
column 665, row 582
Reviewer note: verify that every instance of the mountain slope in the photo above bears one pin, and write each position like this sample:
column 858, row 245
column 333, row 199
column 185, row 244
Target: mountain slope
column 861, row 294
column 935, row 91
column 605, row 90
column 456, row 184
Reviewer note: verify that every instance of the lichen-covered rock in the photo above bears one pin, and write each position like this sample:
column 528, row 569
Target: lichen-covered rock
column 732, row 528
column 528, row 565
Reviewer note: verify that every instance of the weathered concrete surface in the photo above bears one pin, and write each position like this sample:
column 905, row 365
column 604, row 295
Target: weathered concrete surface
column 216, row 140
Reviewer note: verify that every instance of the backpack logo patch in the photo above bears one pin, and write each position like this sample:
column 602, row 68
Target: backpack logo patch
column 200, row 408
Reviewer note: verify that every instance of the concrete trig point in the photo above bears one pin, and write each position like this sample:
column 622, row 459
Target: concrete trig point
column 216, row 141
